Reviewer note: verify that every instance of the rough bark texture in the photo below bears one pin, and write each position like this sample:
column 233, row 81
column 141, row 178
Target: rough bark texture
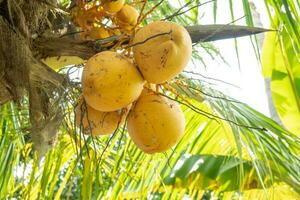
column 22, row 74
column 5, row 95
column 50, row 47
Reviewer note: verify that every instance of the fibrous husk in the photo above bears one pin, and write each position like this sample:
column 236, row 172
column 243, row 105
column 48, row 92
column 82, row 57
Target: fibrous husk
column 23, row 75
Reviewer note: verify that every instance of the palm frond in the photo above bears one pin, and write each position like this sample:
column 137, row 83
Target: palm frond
column 280, row 61
column 254, row 133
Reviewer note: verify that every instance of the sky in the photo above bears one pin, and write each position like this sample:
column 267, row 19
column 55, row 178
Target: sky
column 248, row 76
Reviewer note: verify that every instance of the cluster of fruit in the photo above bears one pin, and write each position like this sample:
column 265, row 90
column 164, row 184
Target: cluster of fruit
column 124, row 86
column 102, row 19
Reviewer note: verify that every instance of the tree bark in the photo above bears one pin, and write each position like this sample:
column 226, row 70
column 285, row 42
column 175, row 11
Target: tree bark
column 21, row 74
column 51, row 47
column 5, row 95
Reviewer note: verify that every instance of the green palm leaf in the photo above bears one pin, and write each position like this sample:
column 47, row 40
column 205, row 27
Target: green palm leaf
column 282, row 67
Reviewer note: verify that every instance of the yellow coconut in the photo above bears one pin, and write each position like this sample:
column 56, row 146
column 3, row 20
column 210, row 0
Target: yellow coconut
column 110, row 81
column 166, row 54
column 127, row 17
column 97, row 122
column 113, row 6
column 85, row 18
column 95, row 33
column 155, row 123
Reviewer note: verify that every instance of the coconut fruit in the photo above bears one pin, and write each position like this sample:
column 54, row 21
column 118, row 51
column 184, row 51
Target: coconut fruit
column 127, row 17
column 85, row 18
column 155, row 123
column 96, row 122
column 95, row 33
column 113, row 6
column 110, row 81
column 162, row 50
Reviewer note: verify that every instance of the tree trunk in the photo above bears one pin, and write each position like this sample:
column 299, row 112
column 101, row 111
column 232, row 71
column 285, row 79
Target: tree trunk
column 23, row 75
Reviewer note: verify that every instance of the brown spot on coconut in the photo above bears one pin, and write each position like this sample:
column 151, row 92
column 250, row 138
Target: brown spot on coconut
column 145, row 123
column 109, row 84
column 168, row 47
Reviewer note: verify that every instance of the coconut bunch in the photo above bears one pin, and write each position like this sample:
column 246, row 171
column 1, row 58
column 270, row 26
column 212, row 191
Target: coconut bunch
column 103, row 19
column 124, row 86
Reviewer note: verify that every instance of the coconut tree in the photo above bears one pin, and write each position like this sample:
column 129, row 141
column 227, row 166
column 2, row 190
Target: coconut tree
column 228, row 149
